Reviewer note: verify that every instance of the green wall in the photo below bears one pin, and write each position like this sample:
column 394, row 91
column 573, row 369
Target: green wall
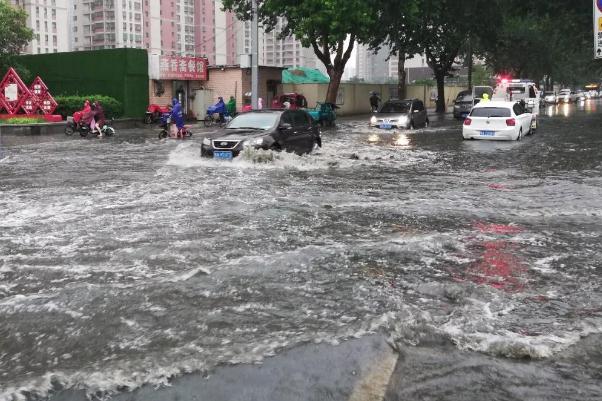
column 119, row 73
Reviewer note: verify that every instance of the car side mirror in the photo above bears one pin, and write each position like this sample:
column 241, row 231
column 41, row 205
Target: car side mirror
column 285, row 126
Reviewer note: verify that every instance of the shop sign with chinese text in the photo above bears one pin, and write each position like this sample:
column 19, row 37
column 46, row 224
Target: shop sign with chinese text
column 183, row 68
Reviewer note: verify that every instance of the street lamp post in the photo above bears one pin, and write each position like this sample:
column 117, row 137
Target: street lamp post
column 254, row 55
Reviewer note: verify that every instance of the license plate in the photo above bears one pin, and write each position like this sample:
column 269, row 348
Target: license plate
column 385, row 126
column 487, row 133
column 222, row 154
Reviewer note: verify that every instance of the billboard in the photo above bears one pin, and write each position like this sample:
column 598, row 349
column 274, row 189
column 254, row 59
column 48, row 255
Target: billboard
column 598, row 29
column 183, row 68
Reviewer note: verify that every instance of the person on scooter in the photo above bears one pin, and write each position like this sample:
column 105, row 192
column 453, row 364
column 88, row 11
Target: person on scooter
column 177, row 116
column 88, row 116
column 219, row 108
column 78, row 115
column 99, row 117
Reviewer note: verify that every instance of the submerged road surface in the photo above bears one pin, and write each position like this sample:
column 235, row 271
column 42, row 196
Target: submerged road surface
column 129, row 261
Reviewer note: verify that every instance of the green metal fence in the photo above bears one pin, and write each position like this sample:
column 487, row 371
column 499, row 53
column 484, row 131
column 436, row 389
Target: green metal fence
column 119, row 73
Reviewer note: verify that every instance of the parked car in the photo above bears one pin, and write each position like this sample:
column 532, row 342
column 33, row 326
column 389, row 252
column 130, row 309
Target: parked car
column 580, row 96
column 288, row 130
column 498, row 120
column 295, row 101
column 400, row 114
column 463, row 104
column 550, row 98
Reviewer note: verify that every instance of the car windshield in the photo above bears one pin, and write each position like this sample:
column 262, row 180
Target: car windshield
column 464, row 97
column 262, row 121
column 397, row 107
column 490, row 112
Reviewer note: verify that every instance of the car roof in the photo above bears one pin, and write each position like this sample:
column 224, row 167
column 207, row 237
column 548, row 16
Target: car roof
column 270, row 111
column 495, row 103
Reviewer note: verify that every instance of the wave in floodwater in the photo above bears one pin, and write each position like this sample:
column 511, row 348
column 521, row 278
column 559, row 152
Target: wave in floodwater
column 124, row 262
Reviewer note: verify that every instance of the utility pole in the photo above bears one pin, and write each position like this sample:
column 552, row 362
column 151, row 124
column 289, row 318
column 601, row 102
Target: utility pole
column 254, row 55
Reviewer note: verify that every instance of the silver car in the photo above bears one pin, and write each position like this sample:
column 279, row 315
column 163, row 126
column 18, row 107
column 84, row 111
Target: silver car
column 400, row 114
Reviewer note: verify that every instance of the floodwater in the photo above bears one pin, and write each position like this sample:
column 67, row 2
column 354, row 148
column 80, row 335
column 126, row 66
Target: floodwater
column 129, row 260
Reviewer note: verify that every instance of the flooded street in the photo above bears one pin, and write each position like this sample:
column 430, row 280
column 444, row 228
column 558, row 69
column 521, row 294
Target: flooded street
column 130, row 260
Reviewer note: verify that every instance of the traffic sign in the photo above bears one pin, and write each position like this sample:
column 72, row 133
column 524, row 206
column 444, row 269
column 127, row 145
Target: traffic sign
column 598, row 29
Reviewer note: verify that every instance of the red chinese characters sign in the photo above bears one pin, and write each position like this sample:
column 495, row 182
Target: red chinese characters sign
column 183, row 68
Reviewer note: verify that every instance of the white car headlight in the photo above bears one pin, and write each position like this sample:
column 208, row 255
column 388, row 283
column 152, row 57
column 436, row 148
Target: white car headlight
column 206, row 141
column 253, row 142
column 373, row 120
column 403, row 120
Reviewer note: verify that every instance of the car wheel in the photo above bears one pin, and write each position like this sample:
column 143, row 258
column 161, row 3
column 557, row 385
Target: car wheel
column 427, row 123
column 148, row 119
column 69, row 130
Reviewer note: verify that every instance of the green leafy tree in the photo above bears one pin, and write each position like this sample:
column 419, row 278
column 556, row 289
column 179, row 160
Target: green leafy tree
column 329, row 27
column 14, row 34
column 446, row 26
column 399, row 30
column 549, row 40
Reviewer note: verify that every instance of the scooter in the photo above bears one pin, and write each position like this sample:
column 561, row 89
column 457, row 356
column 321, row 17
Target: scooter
column 169, row 130
column 84, row 129
column 154, row 112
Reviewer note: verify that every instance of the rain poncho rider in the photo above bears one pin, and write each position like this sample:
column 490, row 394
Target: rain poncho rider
column 219, row 108
column 176, row 114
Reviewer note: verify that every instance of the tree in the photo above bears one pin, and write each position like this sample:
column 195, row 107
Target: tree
column 446, row 26
column 14, row 34
column 399, row 30
column 537, row 40
column 329, row 27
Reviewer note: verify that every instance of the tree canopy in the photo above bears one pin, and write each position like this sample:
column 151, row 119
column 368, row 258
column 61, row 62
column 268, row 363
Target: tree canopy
column 329, row 27
column 14, row 34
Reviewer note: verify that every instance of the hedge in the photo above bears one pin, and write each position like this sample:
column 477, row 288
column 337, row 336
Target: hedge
column 70, row 104
column 23, row 120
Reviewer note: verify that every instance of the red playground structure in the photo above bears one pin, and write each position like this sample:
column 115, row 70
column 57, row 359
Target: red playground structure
column 18, row 100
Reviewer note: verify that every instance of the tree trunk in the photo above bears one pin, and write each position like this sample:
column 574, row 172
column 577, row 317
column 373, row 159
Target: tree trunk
column 470, row 65
column 440, row 77
column 401, row 80
column 335, row 74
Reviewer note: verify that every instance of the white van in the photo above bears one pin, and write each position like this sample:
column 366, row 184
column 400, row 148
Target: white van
column 519, row 89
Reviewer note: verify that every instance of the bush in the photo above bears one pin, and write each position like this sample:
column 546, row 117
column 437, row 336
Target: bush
column 23, row 120
column 70, row 104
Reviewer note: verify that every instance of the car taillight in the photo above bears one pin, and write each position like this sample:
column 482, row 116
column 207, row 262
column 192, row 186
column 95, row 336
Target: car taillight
column 511, row 122
column 467, row 121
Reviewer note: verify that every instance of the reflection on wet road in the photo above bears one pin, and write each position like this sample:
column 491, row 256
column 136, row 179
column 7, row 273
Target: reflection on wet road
column 129, row 260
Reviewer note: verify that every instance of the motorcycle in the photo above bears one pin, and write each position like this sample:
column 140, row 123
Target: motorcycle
column 169, row 130
column 154, row 112
column 214, row 118
column 84, row 129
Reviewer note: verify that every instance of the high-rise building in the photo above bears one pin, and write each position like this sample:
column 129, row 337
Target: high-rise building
column 107, row 24
column 276, row 52
column 370, row 66
column 50, row 23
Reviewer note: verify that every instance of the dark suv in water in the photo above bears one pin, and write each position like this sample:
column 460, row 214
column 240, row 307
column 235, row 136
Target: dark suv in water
column 463, row 104
column 288, row 130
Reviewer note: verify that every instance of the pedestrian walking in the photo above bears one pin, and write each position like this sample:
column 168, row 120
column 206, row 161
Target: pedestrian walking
column 374, row 101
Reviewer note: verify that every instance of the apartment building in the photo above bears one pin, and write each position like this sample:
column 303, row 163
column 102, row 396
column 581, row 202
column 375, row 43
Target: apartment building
column 49, row 20
column 369, row 66
column 107, row 24
column 276, row 52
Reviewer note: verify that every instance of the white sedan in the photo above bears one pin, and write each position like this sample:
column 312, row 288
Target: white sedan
column 498, row 121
